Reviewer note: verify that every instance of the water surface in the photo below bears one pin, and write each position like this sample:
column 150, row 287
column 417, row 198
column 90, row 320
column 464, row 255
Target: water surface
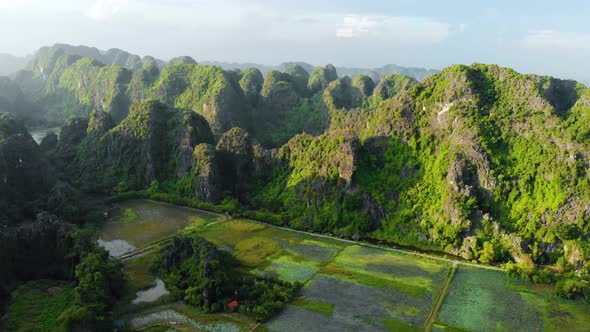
column 137, row 223
column 151, row 294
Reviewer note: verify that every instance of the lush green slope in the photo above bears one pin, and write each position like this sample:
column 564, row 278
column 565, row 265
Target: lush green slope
column 479, row 160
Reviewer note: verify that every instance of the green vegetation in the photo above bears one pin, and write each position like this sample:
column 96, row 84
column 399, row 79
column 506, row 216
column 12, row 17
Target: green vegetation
column 139, row 272
column 377, row 269
column 203, row 276
column 254, row 251
column 100, row 282
column 396, row 325
column 321, row 307
column 37, row 305
column 321, row 77
column 391, row 85
column 128, row 215
column 478, row 161
column 57, row 306
column 357, row 280
column 481, row 300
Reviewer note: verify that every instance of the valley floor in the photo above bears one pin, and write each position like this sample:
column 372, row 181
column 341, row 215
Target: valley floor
column 348, row 285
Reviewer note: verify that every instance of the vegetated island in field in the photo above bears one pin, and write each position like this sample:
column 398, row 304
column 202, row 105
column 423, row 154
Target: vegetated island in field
column 478, row 161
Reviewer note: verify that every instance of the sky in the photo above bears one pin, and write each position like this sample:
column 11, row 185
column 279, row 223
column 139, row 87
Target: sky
column 542, row 37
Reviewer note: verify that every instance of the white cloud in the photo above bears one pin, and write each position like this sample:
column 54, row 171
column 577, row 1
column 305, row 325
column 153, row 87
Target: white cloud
column 102, row 9
column 416, row 30
column 354, row 26
column 553, row 39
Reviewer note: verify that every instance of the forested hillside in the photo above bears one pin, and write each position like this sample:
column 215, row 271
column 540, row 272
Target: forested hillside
column 478, row 161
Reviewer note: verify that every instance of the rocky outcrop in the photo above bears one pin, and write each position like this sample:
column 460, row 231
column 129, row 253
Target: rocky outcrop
column 207, row 90
column 192, row 130
column 207, row 181
column 100, row 122
column 25, row 175
column 73, row 131
column 71, row 136
column 251, row 83
column 299, row 78
column 37, row 250
column 187, row 60
column 341, row 94
column 235, row 160
column 364, row 84
column 321, row 77
column 154, row 143
column 49, row 142
column 391, row 85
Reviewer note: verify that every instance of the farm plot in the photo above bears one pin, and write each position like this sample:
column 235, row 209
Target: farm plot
column 138, row 223
column 368, row 289
column 348, row 287
column 270, row 251
column 483, row 300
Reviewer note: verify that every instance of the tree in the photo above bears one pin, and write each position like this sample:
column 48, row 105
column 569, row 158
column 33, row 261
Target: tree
column 573, row 289
column 487, row 254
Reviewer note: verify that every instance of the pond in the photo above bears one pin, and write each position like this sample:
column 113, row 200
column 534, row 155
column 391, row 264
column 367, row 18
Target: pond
column 39, row 134
column 137, row 223
column 151, row 294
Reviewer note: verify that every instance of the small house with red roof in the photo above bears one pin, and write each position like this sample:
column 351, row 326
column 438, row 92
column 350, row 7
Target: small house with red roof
column 233, row 304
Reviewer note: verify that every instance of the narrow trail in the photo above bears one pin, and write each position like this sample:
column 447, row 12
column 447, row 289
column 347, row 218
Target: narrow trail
column 433, row 314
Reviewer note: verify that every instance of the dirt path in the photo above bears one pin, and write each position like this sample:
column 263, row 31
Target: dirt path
column 439, row 300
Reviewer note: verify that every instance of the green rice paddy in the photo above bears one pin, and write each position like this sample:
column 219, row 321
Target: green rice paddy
column 483, row 300
column 352, row 287
column 349, row 287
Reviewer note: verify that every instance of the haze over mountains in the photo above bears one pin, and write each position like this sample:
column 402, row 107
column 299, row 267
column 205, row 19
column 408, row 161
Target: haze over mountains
column 10, row 64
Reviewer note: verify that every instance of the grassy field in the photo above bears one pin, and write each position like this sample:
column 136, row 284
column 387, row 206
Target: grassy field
column 347, row 287
column 36, row 305
column 482, row 300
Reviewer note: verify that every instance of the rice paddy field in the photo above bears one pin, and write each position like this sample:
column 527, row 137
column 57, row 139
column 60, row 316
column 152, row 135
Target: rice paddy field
column 137, row 223
column 483, row 300
column 347, row 287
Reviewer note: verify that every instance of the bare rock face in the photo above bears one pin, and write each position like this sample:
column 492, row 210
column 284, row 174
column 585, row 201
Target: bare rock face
column 25, row 175
column 207, row 183
column 346, row 157
column 192, row 130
